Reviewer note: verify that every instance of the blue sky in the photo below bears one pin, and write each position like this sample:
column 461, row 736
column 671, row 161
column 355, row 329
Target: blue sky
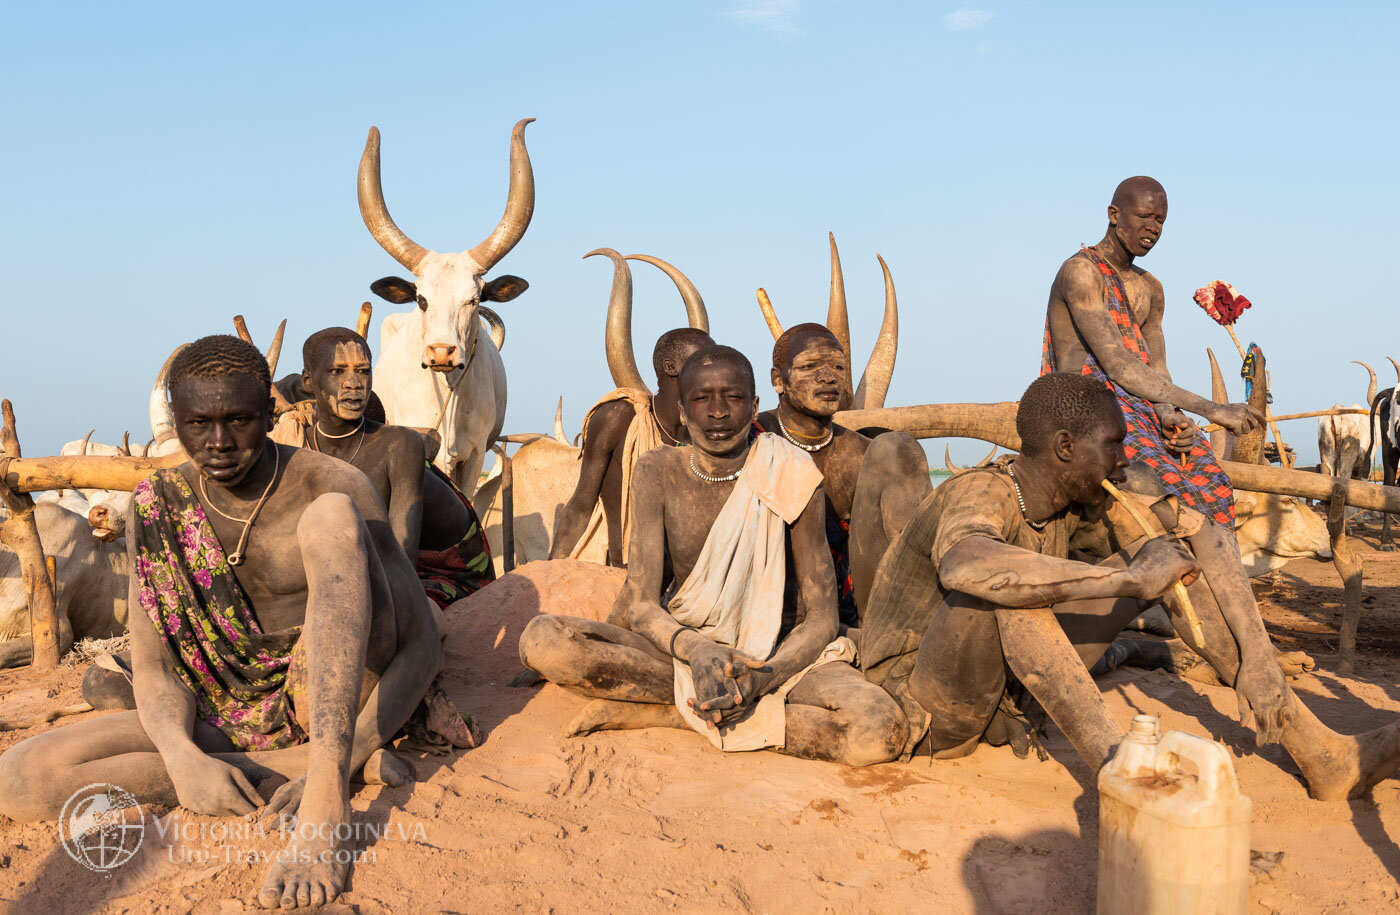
column 168, row 168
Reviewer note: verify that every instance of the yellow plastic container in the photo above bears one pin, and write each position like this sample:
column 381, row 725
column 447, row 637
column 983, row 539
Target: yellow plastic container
column 1173, row 826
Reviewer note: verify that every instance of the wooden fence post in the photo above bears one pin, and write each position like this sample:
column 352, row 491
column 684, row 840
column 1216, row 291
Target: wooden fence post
column 1349, row 568
column 21, row 534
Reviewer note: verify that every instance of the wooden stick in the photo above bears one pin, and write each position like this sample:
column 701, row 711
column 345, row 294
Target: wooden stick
column 241, row 326
column 769, row 314
column 1231, row 329
column 1273, row 426
column 362, row 322
column 1179, row 589
column 1348, row 565
column 25, row 475
column 20, row 724
column 1308, row 414
column 20, row 532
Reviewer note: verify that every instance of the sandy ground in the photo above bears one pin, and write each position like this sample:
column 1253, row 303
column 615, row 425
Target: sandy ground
column 658, row 821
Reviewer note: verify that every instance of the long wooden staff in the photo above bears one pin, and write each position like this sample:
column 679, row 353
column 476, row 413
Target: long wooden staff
column 1178, row 589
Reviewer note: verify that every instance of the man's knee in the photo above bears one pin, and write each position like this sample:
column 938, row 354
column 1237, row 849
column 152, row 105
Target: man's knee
column 331, row 522
column 23, row 785
column 543, row 643
column 897, row 453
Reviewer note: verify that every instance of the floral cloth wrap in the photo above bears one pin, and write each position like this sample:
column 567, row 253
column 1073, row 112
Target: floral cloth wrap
column 463, row 568
column 1196, row 477
column 238, row 673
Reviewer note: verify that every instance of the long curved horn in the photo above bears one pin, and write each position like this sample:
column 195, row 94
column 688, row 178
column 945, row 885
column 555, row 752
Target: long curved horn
column 1370, row 388
column 520, row 205
column 274, row 351
column 1395, row 365
column 559, row 422
column 694, row 305
column 158, row 408
column 991, row 455
column 1219, row 394
column 362, row 322
column 617, row 339
column 838, row 319
column 87, row 438
column 126, row 444
column 497, row 327
column 376, row 214
column 875, row 380
column 948, row 462
column 770, row 316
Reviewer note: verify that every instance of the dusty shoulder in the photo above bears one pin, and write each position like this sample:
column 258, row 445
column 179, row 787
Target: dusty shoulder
column 401, row 437
column 319, row 473
column 657, row 460
column 850, row 440
column 977, row 487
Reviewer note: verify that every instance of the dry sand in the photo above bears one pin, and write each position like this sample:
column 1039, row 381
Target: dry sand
column 658, row 821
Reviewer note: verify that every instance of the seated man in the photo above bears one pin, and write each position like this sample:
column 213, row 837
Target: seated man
column 978, row 584
column 872, row 487
column 277, row 603
column 731, row 652
column 618, row 429
column 432, row 520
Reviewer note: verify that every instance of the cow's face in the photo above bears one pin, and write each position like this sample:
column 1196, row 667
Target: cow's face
column 107, row 516
column 1273, row 529
column 449, row 291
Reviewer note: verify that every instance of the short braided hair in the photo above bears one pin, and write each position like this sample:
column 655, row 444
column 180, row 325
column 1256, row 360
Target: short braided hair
column 671, row 344
column 217, row 356
column 316, row 345
column 782, row 347
column 725, row 355
column 1075, row 403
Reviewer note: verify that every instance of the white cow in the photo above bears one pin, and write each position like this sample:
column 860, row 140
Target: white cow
column 436, row 369
column 92, row 583
column 1344, row 442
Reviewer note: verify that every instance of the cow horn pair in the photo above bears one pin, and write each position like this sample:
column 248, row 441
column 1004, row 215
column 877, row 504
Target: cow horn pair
column 622, row 360
column 520, row 207
column 879, row 369
column 948, row 461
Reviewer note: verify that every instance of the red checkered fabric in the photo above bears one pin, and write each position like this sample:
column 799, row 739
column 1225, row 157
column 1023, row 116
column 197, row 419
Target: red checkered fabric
column 1196, row 477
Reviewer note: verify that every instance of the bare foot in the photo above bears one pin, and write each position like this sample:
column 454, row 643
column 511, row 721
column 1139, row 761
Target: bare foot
column 1295, row 663
column 384, row 768
column 611, row 715
column 312, row 869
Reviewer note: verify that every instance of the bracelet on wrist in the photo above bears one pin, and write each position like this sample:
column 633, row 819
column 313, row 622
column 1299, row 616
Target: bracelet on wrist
column 676, row 634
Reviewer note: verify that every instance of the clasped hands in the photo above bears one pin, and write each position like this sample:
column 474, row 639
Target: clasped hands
column 728, row 682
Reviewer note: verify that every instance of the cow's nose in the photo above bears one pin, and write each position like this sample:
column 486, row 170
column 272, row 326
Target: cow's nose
column 440, row 357
column 97, row 516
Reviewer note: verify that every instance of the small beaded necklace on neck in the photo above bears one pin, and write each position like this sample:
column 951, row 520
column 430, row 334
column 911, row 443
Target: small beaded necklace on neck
column 830, row 434
column 729, row 478
column 651, row 408
column 316, row 433
column 1022, row 502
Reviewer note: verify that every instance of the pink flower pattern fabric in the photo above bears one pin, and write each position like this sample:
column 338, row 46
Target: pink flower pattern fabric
column 237, row 673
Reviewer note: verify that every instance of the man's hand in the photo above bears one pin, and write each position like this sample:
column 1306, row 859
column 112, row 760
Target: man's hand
column 1161, row 563
column 286, row 800
column 1179, row 432
column 727, row 682
column 1264, row 698
column 212, row 787
column 1238, row 418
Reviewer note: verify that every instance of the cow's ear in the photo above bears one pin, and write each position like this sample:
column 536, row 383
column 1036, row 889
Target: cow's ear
column 503, row 288
column 394, row 289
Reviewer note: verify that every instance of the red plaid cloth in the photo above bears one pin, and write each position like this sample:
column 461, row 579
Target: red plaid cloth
column 1196, row 477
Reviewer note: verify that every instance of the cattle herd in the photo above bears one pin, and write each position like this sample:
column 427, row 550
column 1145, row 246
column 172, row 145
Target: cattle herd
column 440, row 369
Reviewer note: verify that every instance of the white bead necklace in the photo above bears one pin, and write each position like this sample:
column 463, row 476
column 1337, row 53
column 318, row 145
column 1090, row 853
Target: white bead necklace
column 709, row 479
column 830, row 434
column 1022, row 502
column 316, row 434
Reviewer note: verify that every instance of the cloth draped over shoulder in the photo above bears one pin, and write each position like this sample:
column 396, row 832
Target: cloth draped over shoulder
column 237, row 673
column 642, row 436
column 734, row 595
column 1196, row 477
column 294, row 426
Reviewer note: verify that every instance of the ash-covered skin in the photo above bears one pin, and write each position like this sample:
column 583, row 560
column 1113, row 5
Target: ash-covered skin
column 1078, row 319
column 322, row 556
column 423, row 512
column 600, row 468
column 832, row 714
column 873, row 486
column 995, row 607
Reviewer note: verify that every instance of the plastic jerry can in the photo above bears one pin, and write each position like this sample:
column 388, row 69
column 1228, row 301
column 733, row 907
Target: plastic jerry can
column 1173, row 826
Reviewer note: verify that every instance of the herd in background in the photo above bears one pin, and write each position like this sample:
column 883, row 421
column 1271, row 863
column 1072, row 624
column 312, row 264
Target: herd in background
column 438, row 372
